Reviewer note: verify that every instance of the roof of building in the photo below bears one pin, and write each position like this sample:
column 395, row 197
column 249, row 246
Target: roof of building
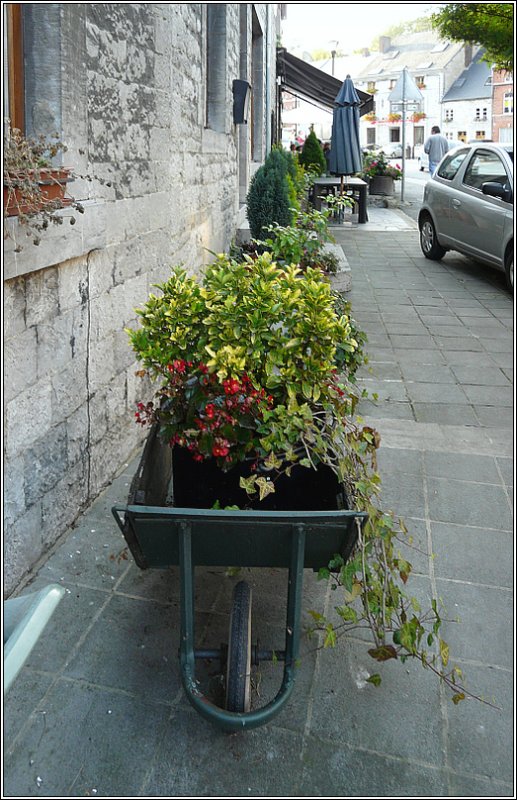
column 419, row 52
column 474, row 83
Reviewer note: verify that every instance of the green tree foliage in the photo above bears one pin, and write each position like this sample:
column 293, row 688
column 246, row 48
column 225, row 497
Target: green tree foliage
column 488, row 24
column 311, row 157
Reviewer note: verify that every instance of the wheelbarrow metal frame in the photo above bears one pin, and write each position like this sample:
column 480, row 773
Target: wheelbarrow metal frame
column 160, row 536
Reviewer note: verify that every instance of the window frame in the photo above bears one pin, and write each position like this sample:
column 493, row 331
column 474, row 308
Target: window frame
column 15, row 79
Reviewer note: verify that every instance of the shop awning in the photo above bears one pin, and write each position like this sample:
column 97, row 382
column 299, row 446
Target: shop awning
column 312, row 84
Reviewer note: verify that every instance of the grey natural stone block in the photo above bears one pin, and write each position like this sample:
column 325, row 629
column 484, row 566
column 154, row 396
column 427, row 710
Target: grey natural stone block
column 14, row 490
column 60, row 243
column 22, row 542
column 68, row 390
column 63, row 502
column 72, row 289
column 28, row 417
column 20, row 363
column 56, row 343
column 14, row 307
column 44, row 463
column 42, row 298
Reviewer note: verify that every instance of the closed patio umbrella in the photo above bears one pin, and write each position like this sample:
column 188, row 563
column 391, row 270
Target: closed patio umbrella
column 345, row 149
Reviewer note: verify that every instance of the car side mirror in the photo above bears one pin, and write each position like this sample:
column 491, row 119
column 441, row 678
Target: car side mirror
column 496, row 189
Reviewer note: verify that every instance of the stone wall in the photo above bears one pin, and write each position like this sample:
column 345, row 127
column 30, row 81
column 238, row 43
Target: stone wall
column 133, row 115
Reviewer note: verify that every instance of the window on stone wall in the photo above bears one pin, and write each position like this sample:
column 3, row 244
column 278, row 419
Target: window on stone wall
column 480, row 134
column 32, row 67
column 13, row 65
column 216, row 101
column 508, row 103
column 394, row 134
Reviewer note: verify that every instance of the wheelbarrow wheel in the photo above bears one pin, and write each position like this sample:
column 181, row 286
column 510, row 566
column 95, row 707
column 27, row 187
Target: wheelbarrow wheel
column 238, row 671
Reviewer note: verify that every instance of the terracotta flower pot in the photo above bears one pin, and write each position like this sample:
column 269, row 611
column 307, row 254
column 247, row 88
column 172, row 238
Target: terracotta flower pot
column 52, row 186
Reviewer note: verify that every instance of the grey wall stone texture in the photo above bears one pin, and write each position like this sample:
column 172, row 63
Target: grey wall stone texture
column 129, row 95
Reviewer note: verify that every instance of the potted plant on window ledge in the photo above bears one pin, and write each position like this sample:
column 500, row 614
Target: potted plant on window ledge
column 34, row 187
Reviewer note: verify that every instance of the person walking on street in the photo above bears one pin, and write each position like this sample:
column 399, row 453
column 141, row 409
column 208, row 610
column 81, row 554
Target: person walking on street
column 326, row 153
column 435, row 146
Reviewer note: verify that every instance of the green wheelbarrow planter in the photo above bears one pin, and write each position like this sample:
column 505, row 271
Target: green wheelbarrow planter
column 160, row 535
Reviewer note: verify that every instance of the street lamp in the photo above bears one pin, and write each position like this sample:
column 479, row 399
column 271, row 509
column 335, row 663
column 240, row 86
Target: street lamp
column 333, row 53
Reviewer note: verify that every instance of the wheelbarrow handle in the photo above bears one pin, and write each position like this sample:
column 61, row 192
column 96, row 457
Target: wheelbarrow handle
column 231, row 721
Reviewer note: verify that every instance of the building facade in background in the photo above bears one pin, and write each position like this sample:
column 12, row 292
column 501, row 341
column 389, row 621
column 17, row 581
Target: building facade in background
column 467, row 106
column 502, row 107
column 458, row 94
column 143, row 97
column 434, row 65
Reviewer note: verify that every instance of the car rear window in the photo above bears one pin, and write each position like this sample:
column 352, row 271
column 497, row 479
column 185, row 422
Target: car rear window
column 451, row 164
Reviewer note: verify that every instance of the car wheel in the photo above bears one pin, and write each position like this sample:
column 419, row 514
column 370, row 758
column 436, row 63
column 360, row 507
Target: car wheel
column 508, row 268
column 429, row 244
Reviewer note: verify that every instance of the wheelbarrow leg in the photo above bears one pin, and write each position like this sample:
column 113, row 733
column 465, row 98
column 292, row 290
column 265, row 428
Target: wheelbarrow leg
column 294, row 600
column 232, row 721
column 187, row 631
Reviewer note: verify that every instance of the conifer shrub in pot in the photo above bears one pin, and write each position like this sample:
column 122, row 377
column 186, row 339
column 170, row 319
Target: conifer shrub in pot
column 270, row 196
column 312, row 157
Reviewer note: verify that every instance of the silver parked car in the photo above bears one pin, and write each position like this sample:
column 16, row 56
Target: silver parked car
column 468, row 206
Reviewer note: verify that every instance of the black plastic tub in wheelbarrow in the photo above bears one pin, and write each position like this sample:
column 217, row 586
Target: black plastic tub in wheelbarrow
column 169, row 521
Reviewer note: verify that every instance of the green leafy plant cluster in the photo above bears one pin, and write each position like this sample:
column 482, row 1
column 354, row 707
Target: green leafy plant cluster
column 302, row 243
column 273, row 331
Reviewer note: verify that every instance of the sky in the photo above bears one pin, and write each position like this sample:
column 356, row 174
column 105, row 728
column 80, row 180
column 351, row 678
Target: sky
column 317, row 26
